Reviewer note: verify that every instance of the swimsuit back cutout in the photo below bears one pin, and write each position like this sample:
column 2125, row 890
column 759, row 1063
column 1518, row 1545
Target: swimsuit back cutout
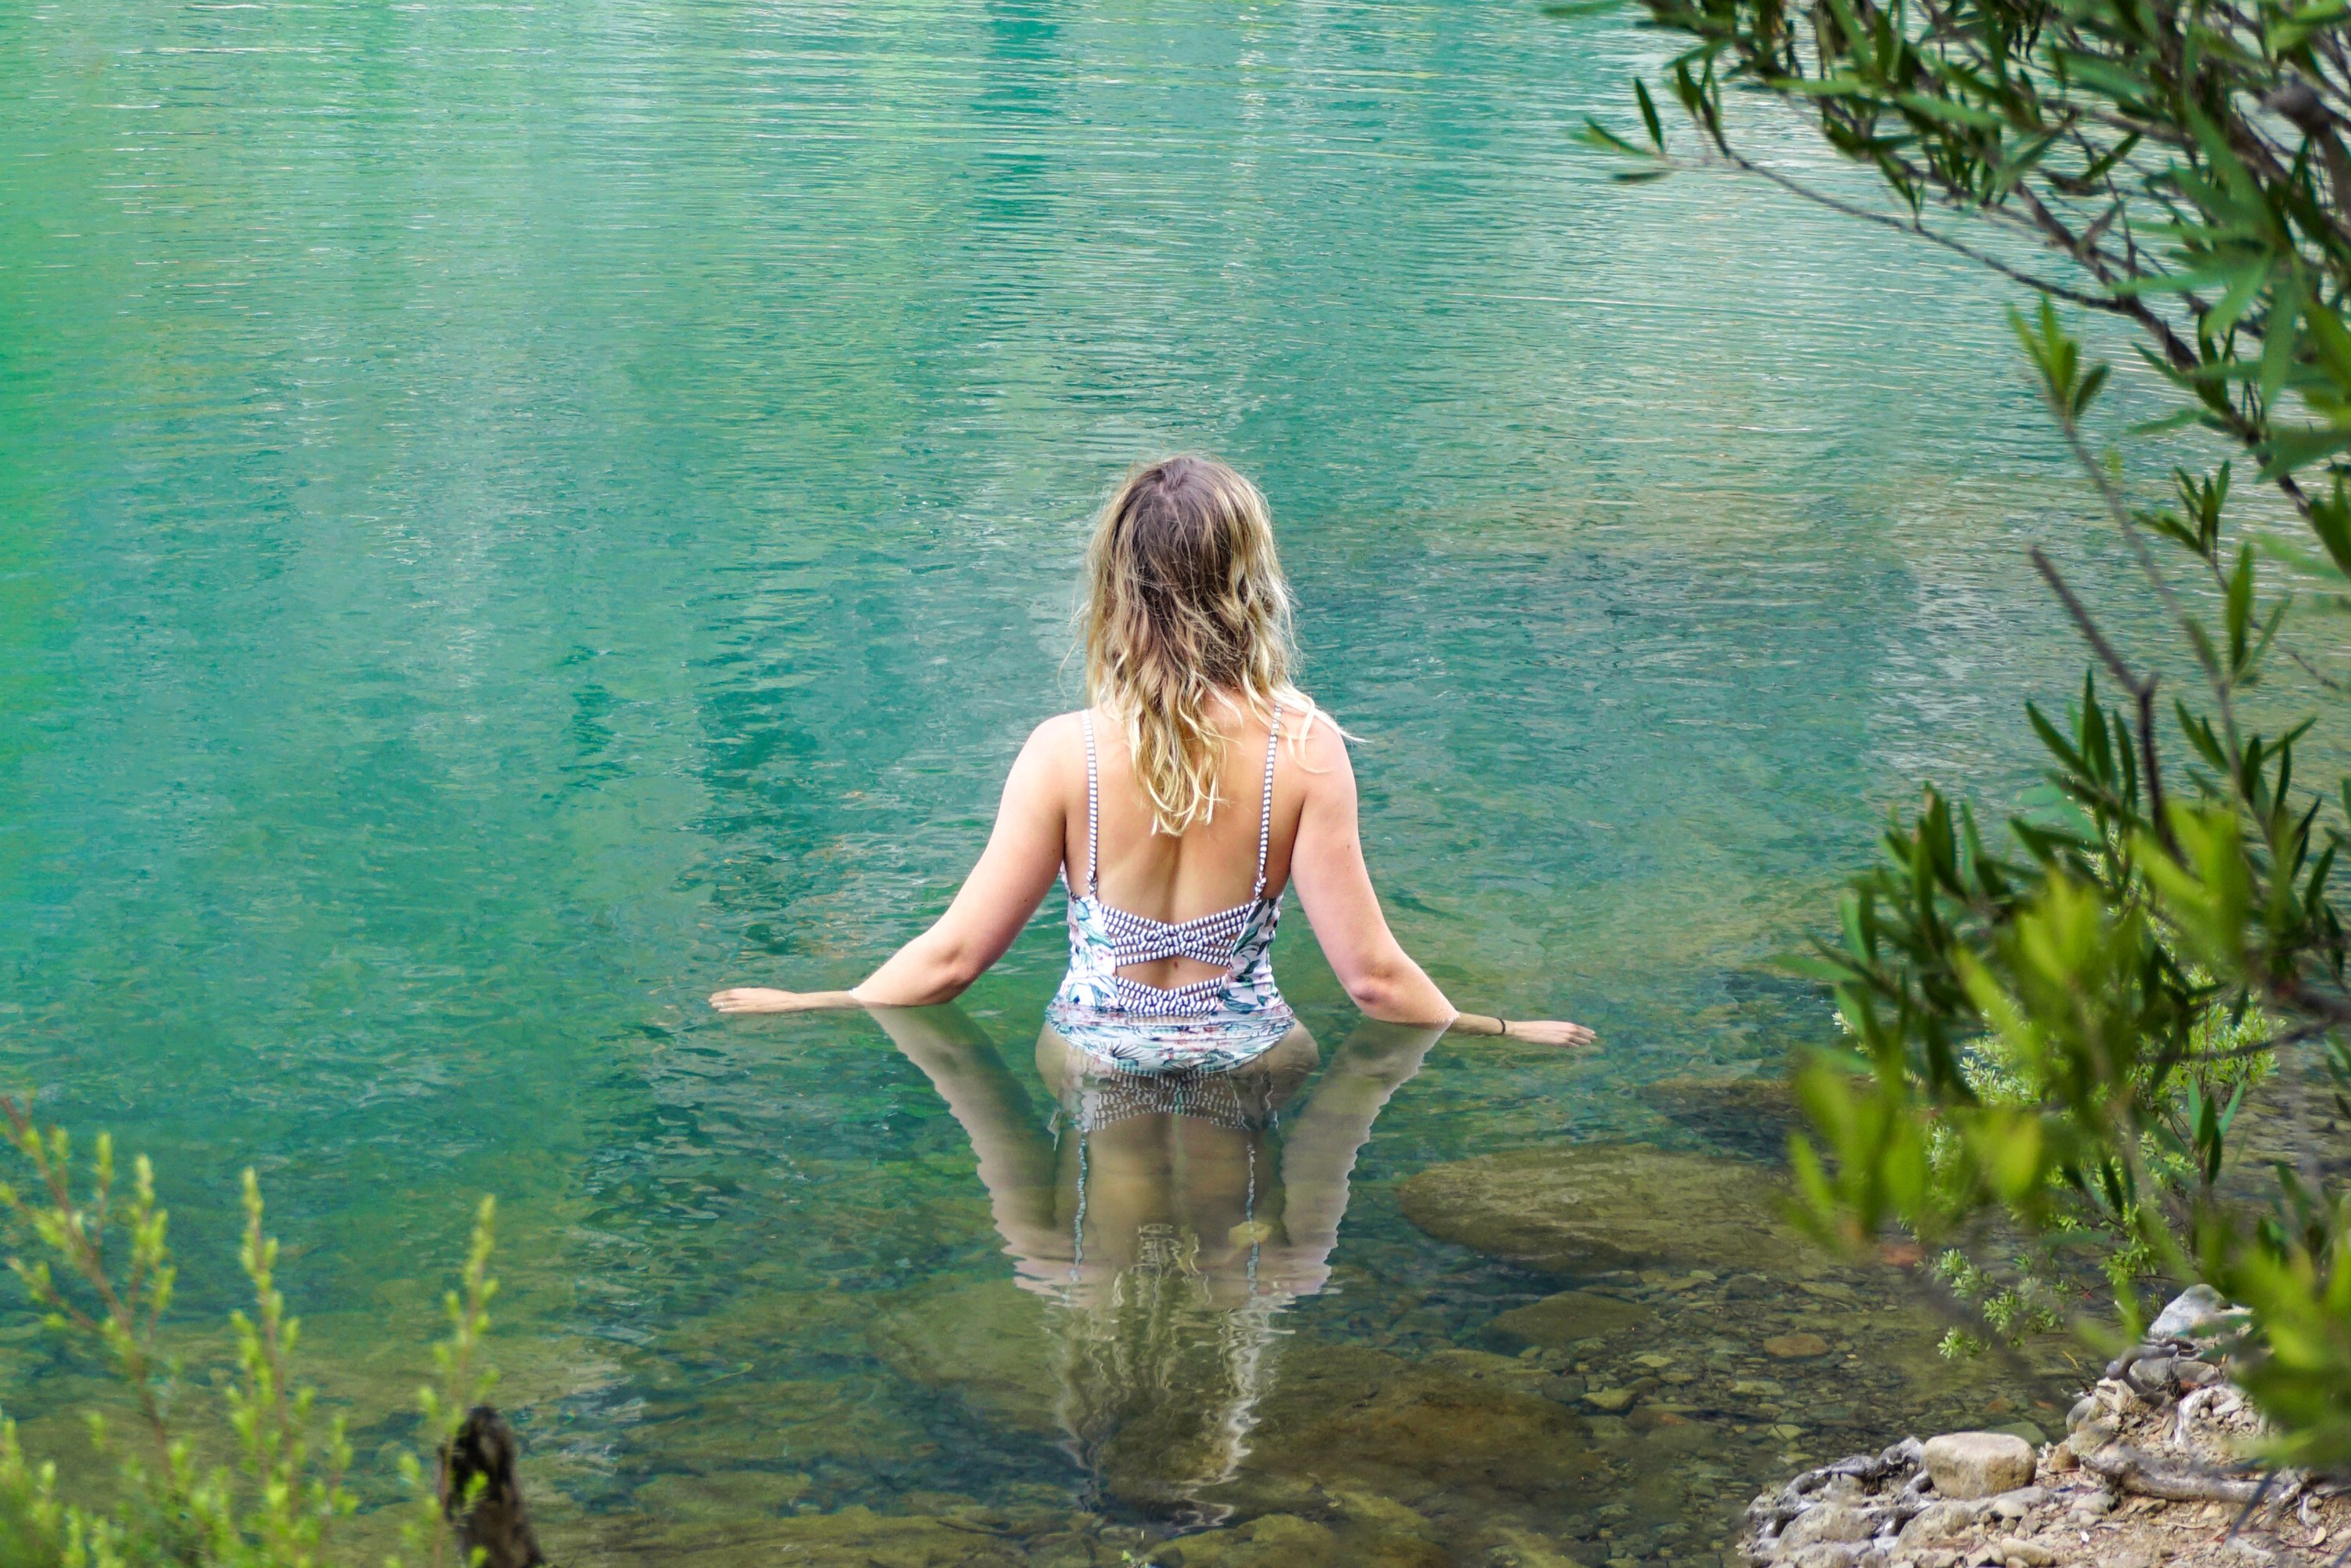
column 1213, row 1023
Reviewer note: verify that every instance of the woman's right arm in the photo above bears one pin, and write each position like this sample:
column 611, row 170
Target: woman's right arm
column 1014, row 873
column 1334, row 886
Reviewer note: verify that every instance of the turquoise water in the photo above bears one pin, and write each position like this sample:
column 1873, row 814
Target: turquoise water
column 517, row 516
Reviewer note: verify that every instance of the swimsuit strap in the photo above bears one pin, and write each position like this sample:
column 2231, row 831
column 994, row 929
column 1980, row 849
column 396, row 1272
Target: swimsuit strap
column 1093, row 801
column 1265, row 809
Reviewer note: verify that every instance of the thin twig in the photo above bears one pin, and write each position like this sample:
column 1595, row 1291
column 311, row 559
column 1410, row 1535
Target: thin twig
column 2142, row 691
column 1914, row 226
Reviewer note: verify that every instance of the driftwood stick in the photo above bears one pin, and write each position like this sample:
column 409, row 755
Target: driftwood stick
column 2130, row 1469
column 481, row 1493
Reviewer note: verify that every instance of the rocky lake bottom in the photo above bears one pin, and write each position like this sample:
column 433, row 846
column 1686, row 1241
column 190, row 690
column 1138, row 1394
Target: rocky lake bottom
column 1620, row 1345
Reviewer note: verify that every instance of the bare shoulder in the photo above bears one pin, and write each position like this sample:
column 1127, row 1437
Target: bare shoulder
column 1321, row 751
column 1052, row 748
column 1059, row 735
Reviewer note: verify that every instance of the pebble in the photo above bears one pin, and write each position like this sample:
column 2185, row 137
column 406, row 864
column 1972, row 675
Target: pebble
column 1795, row 1346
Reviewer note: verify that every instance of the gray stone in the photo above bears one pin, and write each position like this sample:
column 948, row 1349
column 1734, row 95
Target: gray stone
column 2193, row 1310
column 1832, row 1554
column 1941, row 1523
column 1978, row 1464
column 2195, row 1374
column 2093, row 1435
column 1828, row 1521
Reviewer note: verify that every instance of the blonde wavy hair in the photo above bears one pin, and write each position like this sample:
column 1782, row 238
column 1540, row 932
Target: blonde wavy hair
column 1186, row 611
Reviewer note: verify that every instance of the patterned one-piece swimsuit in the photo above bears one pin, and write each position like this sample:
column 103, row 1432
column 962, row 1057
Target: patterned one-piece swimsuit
column 1219, row 1022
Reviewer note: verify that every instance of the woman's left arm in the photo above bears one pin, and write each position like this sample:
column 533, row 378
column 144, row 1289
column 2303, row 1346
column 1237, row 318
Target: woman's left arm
column 1013, row 875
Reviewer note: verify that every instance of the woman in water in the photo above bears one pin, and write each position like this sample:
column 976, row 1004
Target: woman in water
column 1191, row 1199
column 1130, row 801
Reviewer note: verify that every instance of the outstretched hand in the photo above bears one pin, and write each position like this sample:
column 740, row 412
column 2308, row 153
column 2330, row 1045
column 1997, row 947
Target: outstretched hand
column 760, row 999
column 1548, row 1031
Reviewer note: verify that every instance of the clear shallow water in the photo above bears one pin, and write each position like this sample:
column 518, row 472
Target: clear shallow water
column 515, row 516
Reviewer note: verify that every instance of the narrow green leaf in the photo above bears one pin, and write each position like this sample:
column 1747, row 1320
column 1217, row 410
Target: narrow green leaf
column 2290, row 448
column 1949, row 112
column 2278, row 335
column 2330, row 519
column 1649, row 113
column 2172, row 421
column 2332, row 339
column 2241, row 293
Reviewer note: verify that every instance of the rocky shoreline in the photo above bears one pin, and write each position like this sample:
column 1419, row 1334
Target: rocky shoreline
column 2149, row 1472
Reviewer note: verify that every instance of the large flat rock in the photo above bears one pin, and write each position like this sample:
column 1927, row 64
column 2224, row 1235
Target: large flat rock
column 1352, row 1418
column 987, row 1342
column 1558, row 1321
column 1584, row 1208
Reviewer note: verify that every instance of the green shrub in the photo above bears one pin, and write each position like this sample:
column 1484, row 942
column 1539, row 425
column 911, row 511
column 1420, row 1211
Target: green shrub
column 102, row 1273
column 2062, row 1026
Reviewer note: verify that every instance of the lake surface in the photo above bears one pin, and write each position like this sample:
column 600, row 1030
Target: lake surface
column 513, row 516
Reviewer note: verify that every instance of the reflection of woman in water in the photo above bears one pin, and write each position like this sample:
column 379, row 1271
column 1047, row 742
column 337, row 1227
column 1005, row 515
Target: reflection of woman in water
column 1197, row 786
column 1168, row 1220
column 1187, row 672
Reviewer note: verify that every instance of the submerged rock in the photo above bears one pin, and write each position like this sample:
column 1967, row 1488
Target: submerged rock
column 986, row 1341
column 724, row 1494
column 1348, row 1417
column 1217, row 1410
column 1558, row 1321
column 852, row 1538
column 1751, row 1117
column 1275, row 1541
column 1795, row 1346
column 1590, row 1207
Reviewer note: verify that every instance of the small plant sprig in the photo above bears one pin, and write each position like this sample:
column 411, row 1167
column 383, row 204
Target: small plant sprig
column 465, row 1381
column 275, row 1505
column 295, row 1500
column 121, row 1319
